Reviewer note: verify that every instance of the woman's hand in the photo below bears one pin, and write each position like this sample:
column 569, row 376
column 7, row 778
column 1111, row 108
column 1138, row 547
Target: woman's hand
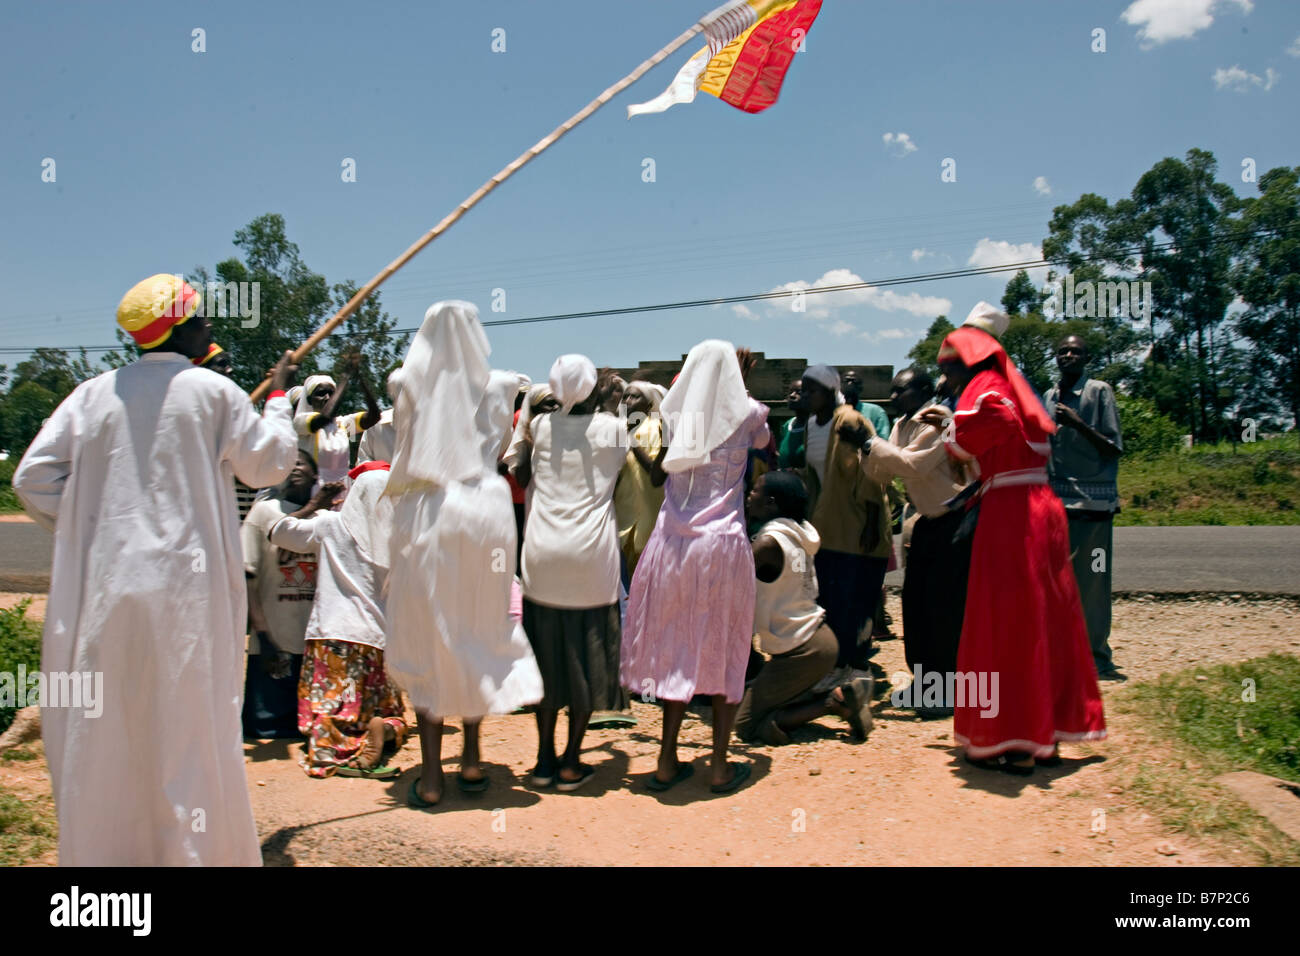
column 747, row 362
column 936, row 416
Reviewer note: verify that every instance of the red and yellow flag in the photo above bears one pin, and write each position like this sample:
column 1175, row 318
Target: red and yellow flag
column 751, row 45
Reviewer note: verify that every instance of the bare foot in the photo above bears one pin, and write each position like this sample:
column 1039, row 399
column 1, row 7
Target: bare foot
column 471, row 772
column 427, row 793
column 570, row 774
column 373, row 749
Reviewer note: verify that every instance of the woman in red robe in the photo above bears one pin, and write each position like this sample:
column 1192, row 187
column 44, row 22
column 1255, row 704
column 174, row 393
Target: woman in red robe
column 1024, row 622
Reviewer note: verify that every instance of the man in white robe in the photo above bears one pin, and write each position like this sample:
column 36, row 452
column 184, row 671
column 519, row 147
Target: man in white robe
column 134, row 473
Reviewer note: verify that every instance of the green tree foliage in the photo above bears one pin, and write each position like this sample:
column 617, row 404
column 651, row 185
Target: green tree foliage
column 38, row 385
column 925, row 353
column 1268, row 280
column 1147, row 433
column 368, row 329
column 1021, row 295
column 293, row 301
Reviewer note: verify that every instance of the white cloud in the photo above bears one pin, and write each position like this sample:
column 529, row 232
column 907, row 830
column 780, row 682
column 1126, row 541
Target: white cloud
column 998, row 252
column 900, row 143
column 826, row 306
column 919, row 254
column 1240, row 81
column 886, row 335
column 1159, row 21
column 1294, row 48
column 744, row 311
column 840, row 327
column 1041, row 186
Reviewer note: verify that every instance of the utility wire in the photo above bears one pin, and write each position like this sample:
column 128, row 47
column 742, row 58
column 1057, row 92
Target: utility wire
column 785, row 294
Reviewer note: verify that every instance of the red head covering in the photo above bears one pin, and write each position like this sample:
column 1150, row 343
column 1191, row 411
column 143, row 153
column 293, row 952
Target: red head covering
column 973, row 345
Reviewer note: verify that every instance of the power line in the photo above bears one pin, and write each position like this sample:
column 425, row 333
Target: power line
column 784, row 294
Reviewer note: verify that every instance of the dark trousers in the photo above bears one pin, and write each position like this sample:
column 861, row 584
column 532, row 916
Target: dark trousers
column 1091, row 548
column 934, row 593
column 271, row 703
column 848, row 587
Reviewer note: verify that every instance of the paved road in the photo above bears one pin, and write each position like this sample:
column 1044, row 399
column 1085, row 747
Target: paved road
column 1161, row 560
column 1176, row 560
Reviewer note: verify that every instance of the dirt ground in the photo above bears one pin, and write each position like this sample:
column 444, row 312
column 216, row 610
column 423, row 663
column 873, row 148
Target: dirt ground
column 904, row 797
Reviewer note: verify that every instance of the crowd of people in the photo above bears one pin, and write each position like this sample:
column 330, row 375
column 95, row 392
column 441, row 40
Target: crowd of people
column 573, row 545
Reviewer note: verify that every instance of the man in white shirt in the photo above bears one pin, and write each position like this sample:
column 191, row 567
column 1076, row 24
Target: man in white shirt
column 134, row 474
column 281, row 587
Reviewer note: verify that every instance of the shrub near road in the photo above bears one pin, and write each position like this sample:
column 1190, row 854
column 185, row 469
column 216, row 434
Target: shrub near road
column 1252, row 483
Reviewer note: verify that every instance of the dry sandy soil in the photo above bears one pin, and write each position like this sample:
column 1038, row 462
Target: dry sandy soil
column 904, row 797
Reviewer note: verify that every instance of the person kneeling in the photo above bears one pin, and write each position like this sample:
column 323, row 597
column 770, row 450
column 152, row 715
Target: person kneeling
column 791, row 626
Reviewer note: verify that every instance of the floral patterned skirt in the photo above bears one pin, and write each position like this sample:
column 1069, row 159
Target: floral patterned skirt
column 342, row 688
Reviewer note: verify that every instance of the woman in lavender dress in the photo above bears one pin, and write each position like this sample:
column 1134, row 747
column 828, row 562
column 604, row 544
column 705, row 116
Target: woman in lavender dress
column 690, row 614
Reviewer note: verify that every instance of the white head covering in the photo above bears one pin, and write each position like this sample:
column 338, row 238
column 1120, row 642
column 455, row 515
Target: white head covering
column 439, row 387
column 517, row 441
column 304, row 397
column 525, row 383
column 572, row 379
column 989, row 318
column 655, row 393
column 705, row 406
column 293, row 395
column 493, row 419
column 368, row 515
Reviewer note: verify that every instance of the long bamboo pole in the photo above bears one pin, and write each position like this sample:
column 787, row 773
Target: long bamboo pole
column 473, row 199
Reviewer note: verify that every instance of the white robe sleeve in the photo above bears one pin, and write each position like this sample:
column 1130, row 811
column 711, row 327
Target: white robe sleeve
column 302, row 534
column 262, row 448
column 41, row 475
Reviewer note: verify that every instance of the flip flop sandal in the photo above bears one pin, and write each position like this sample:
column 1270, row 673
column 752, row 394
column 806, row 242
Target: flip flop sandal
column 739, row 774
column 1053, row 761
column 471, row 786
column 539, row 780
column 374, row 773
column 611, row 719
column 568, row 786
column 413, row 798
column 684, row 772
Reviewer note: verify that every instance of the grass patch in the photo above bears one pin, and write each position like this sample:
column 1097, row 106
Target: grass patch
column 28, row 828
column 1203, row 708
column 1192, row 730
column 1253, row 483
column 20, row 643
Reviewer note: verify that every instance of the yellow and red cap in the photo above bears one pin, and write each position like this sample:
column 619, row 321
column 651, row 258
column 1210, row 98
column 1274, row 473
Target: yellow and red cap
column 156, row 305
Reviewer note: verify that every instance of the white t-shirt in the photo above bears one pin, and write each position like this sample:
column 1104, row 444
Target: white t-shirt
column 817, row 440
column 349, row 603
column 570, row 555
column 379, row 441
column 285, row 580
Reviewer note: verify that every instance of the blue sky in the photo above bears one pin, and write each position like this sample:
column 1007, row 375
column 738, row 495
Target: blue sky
column 162, row 153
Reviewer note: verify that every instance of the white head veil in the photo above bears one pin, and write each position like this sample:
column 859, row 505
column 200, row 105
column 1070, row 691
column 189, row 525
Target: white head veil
column 438, row 390
column 368, row 515
column 705, row 406
column 572, row 379
column 492, row 420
